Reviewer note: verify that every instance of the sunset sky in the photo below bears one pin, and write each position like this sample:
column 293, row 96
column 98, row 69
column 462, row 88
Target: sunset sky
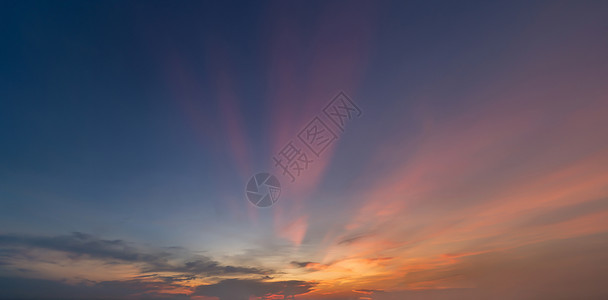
column 476, row 166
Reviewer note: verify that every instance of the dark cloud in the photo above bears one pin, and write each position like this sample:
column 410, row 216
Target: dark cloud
column 368, row 292
column 177, row 278
column 167, row 279
column 301, row 264
column 206, row 266
column 243, row 289
column 28, row 288
column 152, row 287
column 80, row 245
column 311, row 266
column 153, row 264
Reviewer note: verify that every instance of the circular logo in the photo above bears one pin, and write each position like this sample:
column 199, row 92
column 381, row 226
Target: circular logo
column 263, row 190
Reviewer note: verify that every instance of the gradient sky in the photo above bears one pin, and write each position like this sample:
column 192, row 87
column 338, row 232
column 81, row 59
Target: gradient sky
column 478, row 168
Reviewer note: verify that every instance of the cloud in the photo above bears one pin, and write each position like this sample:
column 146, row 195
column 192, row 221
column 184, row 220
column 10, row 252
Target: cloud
column 367, row 291
column 206, row 266
column 312, row 266
column 30, row 288
column 80, row 245
column 301, row 264
column 177, row 278
column 237, row 289
column 352, row 239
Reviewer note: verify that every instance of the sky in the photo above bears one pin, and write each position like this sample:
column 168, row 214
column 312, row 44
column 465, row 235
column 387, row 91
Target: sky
column 417, row 150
